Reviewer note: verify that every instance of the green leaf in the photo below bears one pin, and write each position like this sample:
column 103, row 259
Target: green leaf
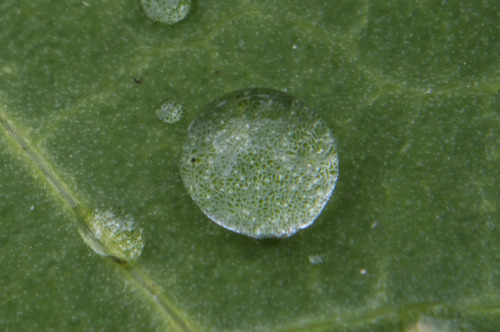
column 409, row 240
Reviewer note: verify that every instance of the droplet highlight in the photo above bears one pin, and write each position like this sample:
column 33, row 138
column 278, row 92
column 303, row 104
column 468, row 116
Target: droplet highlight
column 111, row 234
column 166, row 11
column 260, row 162
column 169, row 112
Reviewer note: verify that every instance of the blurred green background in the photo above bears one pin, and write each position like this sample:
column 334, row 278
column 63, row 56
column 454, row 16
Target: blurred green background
column 409, row 239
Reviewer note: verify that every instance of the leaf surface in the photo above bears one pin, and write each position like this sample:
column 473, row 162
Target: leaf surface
column 409, row 239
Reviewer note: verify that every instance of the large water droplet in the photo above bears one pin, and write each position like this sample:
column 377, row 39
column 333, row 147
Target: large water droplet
column 111, row 234
column 260, row 163
column 166, row 11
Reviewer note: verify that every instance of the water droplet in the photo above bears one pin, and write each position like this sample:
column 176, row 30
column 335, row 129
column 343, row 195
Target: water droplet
column 265, row 164
column 111, row 234
column 431, row 324
column 166, row 11
column 316, row 259
column 169, row 112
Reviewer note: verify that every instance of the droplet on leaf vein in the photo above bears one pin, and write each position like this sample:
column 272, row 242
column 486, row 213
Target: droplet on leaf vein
column 111, row 234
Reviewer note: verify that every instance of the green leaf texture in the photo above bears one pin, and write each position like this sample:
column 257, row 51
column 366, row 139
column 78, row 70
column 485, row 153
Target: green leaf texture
column 409, row 240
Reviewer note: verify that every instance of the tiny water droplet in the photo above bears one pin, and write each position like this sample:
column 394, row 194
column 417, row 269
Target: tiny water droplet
column 432, row 324
column 316, row 259
column 260, row 163
column 111, row 234
column 166, row 11
column 169, row 112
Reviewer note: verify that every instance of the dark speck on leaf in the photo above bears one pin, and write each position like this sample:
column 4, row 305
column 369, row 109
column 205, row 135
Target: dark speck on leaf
column 136, row 80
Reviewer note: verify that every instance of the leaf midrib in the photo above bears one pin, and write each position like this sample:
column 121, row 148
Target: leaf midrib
column 39, row 164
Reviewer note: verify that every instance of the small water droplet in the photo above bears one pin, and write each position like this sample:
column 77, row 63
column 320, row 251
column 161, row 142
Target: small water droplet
column 166, row 11
column 431, row 324
column 111, row 234
column 265, row 164
column 169, row 112
column 316, row 259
